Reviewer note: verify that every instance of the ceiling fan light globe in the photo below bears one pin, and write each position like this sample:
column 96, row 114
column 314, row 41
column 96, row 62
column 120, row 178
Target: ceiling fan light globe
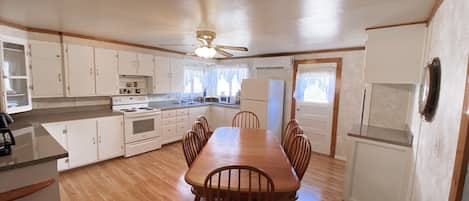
column 205, row 52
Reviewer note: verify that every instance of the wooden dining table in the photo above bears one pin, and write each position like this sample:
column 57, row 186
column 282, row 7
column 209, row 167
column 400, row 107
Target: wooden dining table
column 244, row 146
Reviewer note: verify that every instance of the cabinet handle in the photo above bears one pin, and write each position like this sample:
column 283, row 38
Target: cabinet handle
column 58, row 55
column 94, row 140
column 91, row 71
column 99, row 139
column 59, row 77
column 64, row 131
column 67, row 160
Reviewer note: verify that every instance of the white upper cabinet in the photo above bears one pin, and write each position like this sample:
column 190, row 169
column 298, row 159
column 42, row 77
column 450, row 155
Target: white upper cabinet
column 80, row 71
column 146, row 64
column 162, row 77
column 395, row 54
column 46, row 69
column 106, row 66
column 128, row 63
column 177, row 75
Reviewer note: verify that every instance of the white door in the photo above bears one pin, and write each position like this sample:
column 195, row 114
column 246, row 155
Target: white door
column 128, row 63
column 162, row 77
column 314, row 93
column 107, row 77
column 146, row 64
column 81, row 79
column 46, row 68
column 177, row 75
column 82, row 142
column 110, row 137
column 59, row 132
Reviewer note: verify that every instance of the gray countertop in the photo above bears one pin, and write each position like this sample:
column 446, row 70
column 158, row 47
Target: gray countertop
column 386, row 135
column 34, row 144
column 169, row 105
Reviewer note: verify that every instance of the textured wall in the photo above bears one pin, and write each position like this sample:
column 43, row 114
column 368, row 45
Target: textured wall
column 435, row 144
column 389, row 106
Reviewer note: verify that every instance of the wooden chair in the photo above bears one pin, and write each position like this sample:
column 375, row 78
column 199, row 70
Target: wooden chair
column 245, row 119
column 191, row 146
column 204, row 121
column 288, row 141
column 300, row 154
column 287, row 134
column 237, row 182
column 198, row 128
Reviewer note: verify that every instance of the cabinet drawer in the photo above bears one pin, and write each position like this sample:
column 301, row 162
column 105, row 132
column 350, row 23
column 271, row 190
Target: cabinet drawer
column 182, row 112
column 168, row 114
column 181, row 129
column 182, row 119
column 169, row 121
column 169, row 130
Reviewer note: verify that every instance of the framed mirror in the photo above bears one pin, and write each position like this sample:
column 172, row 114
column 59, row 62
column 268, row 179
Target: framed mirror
column 430, row 89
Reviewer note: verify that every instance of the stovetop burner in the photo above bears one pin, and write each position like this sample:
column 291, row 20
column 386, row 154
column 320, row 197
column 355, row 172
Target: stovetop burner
column 145, row 108
column 128, row 110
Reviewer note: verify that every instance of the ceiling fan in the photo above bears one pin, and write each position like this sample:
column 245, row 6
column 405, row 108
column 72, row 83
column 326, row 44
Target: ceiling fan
column 208, row 50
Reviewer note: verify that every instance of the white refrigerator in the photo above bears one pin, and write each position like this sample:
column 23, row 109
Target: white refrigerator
column 265, row 99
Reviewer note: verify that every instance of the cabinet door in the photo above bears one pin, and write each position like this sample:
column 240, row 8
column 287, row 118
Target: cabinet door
column 82, row 143
column 217, row 114
column 228, row 116
column 128, row 63
column 106, row 65
column 59, row 133
column 46, row 69
column 161, row 79
column 81, row 79
column 177, row 76
column 146, row 65
column 110, row 137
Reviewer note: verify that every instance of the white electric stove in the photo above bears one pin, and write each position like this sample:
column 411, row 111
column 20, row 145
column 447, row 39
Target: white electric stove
column 141, row 124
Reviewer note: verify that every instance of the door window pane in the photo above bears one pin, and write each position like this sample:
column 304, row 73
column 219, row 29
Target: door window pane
column 315, row 85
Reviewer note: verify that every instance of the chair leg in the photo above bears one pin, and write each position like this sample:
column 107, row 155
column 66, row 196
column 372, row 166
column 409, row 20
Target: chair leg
column 197, row 198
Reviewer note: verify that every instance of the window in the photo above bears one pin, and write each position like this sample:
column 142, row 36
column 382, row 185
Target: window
column 315, row 85
column 194, row 79
column 226, row 80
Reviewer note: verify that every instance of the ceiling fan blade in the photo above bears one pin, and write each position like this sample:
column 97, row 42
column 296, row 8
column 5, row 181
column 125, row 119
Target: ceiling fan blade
column 177, row 45
column 232, row 48
column 223, row 52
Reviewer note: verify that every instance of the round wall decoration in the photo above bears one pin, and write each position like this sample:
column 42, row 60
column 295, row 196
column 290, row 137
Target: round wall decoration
column 430, row 89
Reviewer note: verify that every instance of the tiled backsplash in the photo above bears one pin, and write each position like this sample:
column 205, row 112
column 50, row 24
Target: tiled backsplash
column 43, row 103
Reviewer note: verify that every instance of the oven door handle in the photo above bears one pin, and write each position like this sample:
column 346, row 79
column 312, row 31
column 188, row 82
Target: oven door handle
column 142, row 116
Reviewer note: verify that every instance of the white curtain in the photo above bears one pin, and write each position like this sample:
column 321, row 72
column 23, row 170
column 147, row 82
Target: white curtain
column 315, row 85
column 226, row 79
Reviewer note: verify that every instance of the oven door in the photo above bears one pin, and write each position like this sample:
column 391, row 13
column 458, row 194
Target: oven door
column 141, row 127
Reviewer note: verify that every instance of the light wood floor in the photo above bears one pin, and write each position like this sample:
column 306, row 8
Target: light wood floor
column 159, row 175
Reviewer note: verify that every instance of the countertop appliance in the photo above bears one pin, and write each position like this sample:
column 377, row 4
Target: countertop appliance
column 265, row 99
column 6, row 137
column 141, row 124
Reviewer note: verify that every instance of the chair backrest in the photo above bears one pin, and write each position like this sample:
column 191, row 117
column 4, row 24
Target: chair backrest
column 198, row 128
column 294, row 131
column 237, row 182
column 286, row 136
column 245, row 119
column 191, row 146
column 300, row 154
column 204, row 121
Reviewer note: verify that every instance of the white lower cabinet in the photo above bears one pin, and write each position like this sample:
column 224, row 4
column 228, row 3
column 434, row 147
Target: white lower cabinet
column 82, row 148
column 377, row 171
column 89, row 140
column 110, row 137
column 59, row 133
column 175, row 124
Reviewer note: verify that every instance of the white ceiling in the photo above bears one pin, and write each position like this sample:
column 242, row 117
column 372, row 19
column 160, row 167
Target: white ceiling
column 264, row 26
